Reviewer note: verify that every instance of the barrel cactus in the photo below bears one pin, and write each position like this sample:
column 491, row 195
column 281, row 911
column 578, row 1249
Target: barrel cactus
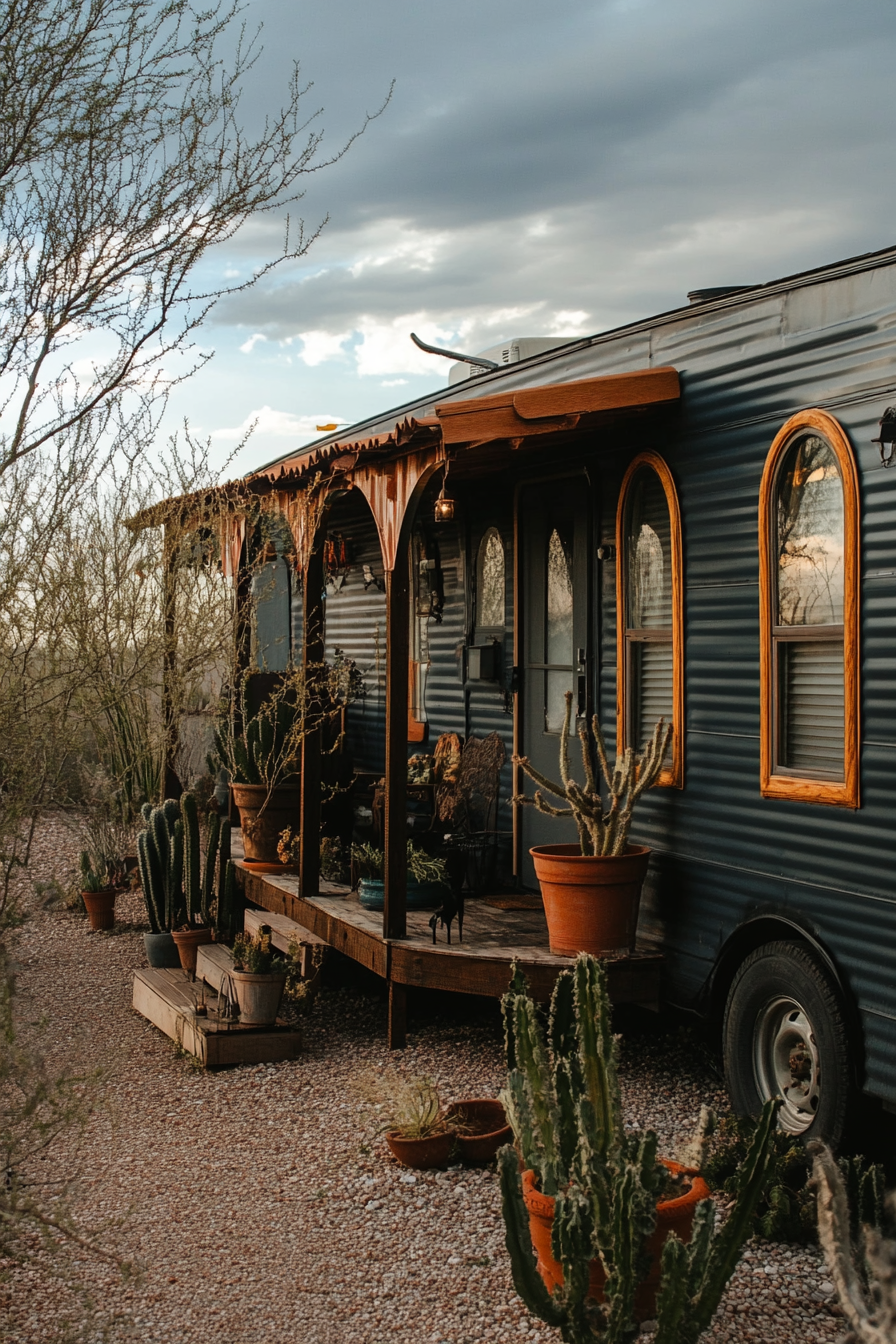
column 562, row 1100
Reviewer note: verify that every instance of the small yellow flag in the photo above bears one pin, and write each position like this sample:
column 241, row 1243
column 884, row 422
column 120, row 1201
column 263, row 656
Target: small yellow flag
column 323, row 428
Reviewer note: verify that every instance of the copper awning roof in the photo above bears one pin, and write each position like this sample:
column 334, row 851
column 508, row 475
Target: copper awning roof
column 518, row 414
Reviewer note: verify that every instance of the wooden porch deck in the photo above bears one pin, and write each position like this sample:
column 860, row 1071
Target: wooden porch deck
column 493, row 938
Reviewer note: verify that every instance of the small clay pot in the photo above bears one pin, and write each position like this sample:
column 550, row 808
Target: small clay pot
column 100, row 907
column 432, row 1151
column 486, row 1113
column 590, row 902
column 672, row 1215
column 188, row 943
column 161, row 952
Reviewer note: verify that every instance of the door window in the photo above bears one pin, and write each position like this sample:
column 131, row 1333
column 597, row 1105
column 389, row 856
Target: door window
column 649, row 605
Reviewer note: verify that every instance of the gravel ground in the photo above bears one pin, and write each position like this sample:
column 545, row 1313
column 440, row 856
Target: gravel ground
column 258, row 1206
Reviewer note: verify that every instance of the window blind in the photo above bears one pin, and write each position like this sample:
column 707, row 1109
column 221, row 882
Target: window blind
column 811, row 718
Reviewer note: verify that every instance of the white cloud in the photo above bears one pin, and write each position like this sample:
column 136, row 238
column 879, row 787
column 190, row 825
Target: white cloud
column 386, row 347
column 318, row 346
column 248, row 346
column 277, row 424
column 571, row 323
column 394, row 382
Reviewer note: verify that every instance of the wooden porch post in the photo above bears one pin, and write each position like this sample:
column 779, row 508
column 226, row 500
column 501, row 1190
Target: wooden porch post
column 396, row 823
column 395, row 814
column 312, row 653
column 171, row 785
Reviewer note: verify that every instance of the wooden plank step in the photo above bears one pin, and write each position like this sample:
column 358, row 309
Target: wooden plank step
column 284, row 932
column 213, row 961
column 168, row 999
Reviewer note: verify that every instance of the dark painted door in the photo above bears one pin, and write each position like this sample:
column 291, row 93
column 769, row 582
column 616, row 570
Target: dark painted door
column 554, row 539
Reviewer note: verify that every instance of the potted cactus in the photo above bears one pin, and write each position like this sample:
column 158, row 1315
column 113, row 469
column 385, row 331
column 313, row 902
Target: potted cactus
column 416, row 1129
column 261, row 748
column 185, row 895
column 97, row 894
column 259, row 977
column 601, row 1234
column 592, row 890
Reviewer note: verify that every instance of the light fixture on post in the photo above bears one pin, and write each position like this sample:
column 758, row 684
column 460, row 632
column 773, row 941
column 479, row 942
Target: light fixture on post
column 444, row 510
column 887, row 436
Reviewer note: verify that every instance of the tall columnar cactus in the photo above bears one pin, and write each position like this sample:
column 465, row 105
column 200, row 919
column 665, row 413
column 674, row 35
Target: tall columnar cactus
column 869, row 1301
column 208, row 874
column 602, row 831
column 178, row 887
column 229, row 912
column 562, row 1099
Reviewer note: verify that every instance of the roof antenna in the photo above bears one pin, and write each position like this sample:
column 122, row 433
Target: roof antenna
column 478, row 362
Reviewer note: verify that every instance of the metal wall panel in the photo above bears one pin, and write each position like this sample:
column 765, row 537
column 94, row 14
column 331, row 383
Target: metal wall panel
column 724, row 853
column 355, row 619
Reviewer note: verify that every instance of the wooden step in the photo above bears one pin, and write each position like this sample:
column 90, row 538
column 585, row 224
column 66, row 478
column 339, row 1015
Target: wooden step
column 284, row 932
column 169, row 998
column 213, row 961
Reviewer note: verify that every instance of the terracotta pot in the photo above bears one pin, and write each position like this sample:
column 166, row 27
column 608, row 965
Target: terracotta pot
column 486, row 1113
column 258, row 997
column 263, row 816
column 590, row 903
column 672, row 1215
column 188, row 943
column 161, row 952
column 433, row 1151
column 100, row 907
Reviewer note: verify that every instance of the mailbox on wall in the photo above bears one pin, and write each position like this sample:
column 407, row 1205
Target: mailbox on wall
column 484, row 662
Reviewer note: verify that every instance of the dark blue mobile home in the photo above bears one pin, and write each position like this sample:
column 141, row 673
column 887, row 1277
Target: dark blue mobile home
column 723, row 554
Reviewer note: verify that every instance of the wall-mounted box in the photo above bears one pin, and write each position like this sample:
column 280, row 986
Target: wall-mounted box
column 484, row 662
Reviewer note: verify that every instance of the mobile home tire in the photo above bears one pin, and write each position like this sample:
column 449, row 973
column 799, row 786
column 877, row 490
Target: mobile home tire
column 785, row 1035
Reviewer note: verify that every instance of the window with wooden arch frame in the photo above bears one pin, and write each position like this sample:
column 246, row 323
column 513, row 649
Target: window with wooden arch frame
column 809, row 614
column 649, row 612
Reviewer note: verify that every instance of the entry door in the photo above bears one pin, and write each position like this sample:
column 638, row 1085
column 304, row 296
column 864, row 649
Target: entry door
column 553, row 530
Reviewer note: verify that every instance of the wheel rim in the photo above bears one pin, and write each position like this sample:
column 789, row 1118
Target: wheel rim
column 786, row 1063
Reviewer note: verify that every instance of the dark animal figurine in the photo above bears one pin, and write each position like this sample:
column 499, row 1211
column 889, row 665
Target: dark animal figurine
column 451, row 908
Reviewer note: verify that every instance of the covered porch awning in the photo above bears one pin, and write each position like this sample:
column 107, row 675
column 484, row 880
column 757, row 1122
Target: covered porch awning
column 523, row 413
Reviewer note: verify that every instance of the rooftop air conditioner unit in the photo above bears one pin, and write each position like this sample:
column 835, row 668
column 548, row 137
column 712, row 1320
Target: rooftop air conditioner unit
column 509, row 352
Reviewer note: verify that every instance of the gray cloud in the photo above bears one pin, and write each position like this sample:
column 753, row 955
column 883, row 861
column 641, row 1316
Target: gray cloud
column 597, row 158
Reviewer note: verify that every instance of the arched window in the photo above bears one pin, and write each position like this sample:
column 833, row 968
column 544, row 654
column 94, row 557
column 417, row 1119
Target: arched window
column 490, row 584
column 808, row 565
column 649, row 611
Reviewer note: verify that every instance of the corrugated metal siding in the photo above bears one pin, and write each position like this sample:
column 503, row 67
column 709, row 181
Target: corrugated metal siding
column 356, row 623
column 724, row 853
column 453, row 705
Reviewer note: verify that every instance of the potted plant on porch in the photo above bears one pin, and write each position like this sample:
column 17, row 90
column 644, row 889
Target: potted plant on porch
column 592, row 890
column 597, row 1227
column 427, row 881
column 261, row 747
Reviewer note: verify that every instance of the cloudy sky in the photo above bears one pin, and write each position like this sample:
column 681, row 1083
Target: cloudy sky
column 541, row 169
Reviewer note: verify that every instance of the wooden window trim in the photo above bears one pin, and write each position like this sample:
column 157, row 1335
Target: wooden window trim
column 673, row 775
column 773, row 782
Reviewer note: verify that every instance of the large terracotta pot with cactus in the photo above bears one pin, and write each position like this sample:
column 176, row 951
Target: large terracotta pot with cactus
column 602, row 1234
column 592, row 889
column 262, row 722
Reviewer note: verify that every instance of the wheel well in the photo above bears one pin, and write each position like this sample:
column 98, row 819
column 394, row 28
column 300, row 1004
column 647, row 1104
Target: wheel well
column 770, row 929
